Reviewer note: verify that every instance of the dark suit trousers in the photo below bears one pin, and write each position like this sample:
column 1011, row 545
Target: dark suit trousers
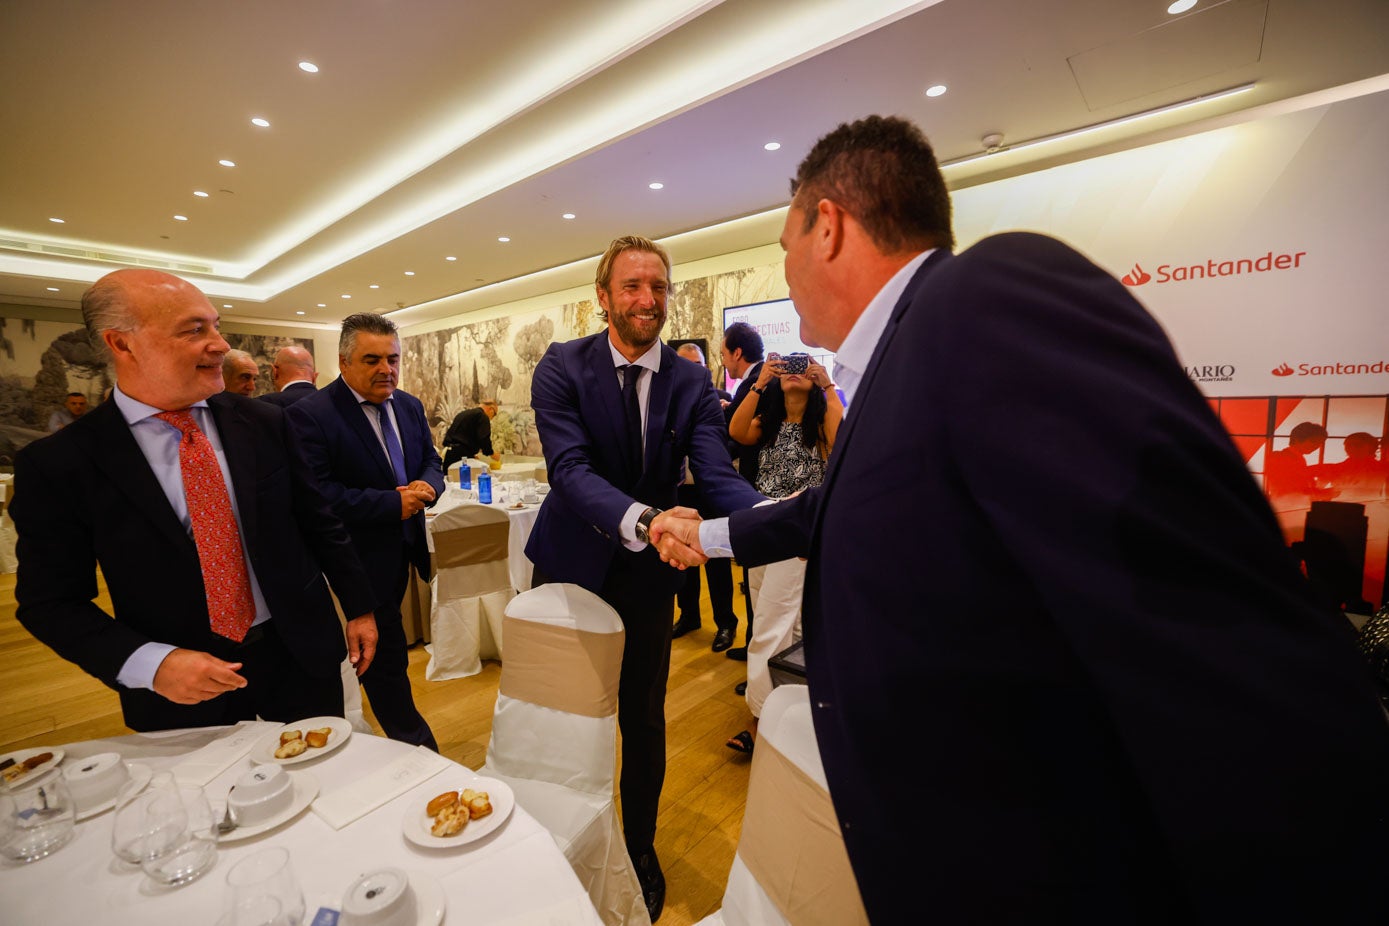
column 387, row 680
column 641, row 695
column 720, row 573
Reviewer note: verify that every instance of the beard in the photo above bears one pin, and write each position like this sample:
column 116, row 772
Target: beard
column 636, row 333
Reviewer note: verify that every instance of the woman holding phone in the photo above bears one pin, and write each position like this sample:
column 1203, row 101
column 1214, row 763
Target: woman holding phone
column 794, row 423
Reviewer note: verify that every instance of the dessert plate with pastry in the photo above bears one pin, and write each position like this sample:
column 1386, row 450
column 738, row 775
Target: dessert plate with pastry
column 464, row 812
column 302, row 740
column 18, row 767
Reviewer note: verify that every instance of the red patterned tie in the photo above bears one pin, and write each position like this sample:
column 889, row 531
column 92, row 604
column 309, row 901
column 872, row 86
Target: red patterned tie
column 228, row 584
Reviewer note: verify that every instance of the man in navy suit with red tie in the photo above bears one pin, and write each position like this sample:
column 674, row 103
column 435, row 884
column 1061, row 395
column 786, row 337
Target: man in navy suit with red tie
column 369, row 446
column 618, row 413
column 1062, row 667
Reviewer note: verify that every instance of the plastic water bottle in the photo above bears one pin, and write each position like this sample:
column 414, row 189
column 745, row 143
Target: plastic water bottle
column 465, row 476
column 484, row 487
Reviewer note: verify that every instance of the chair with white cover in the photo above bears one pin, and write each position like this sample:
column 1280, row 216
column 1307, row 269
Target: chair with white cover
column 791, row 868
column 554, row 735
column 470, row 589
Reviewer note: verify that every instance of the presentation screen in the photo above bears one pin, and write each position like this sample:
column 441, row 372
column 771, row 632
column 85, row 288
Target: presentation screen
column 780, row 328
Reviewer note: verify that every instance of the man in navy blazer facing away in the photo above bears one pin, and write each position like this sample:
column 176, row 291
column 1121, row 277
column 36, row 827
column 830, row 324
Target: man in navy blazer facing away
column 205, row 522
column 618, row 413
column 1038, row 564
column 369, row 447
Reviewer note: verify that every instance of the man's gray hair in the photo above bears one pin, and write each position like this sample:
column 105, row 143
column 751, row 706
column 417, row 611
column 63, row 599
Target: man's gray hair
column 104, row 308
column 234, row 356
column 369, row 322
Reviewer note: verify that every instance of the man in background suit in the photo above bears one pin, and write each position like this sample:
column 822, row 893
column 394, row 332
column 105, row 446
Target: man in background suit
column 1038, row 556
column 239, row 372
column 293, row 374
column 742, row 352
column 618, row 414
column 110, row 490
column 368, row 445
column 719, row 571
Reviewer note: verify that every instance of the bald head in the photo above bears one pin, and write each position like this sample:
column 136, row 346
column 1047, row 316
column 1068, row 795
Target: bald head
column 293, row 364
column 239, row 372
column 160, row 333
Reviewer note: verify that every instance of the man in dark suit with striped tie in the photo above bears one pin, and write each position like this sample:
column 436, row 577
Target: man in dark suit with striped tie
column 369, row 446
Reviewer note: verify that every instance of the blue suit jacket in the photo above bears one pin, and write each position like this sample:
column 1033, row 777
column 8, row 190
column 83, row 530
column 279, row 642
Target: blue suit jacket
column 1038, row 558
column 86, row 496
column 578, row 412
column 351, row 467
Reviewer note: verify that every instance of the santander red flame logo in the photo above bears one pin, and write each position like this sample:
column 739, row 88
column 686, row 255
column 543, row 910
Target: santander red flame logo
column 1282, row 370
column 1136, row 277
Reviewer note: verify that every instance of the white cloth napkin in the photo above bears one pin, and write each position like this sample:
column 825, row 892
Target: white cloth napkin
column 343, row 805
column 203, row 765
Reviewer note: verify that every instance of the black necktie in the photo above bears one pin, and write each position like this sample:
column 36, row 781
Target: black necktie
column 632, row 411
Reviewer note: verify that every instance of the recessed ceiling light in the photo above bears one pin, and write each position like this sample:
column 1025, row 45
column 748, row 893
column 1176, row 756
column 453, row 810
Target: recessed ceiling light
column 300, row 312
column 225, row 163
column 374, row 286
column 263, row 123
column 226, row 305
column 935, row 90
column 450, row 257
column 1181, row 6
column 656, row 185
column 308, row 67
column 503, row 239
column 323, row 305
column 52, row 289
column 567, row 215
column 200, row 193
column 772, row 145
column 180, row 218
column 409, row 273
column 57, row 221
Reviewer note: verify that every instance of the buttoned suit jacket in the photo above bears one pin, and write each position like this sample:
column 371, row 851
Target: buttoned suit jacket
column 351, row 467
column 292, row 393
column 1038, row 562
column 578, row 411
column 86, row 497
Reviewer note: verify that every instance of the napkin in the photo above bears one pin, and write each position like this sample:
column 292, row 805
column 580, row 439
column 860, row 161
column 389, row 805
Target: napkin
column 203, row 765
column 343, row 805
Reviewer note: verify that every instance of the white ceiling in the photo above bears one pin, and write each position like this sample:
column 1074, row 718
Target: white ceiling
column 435, row 126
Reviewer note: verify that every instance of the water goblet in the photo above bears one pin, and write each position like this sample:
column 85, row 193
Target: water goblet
column 37, row 819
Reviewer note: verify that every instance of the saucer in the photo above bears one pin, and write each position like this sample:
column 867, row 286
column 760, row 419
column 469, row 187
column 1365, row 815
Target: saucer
column 429, row 898
column 416, row 823
column 305, row 790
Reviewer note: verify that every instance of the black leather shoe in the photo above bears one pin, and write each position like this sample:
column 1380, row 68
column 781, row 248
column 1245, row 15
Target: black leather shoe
column 683, row 627
column 739, row 653
column 722, row 640
column 653, row 883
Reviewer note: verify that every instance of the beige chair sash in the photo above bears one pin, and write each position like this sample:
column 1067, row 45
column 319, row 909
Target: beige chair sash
column 467, row 546
column 562, row 668
column 792, row 845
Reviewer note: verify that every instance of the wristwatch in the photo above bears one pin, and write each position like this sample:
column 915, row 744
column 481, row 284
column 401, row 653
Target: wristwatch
column 644, row 524
column 756, row 390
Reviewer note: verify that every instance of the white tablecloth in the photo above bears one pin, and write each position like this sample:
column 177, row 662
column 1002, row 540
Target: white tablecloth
column 515, row 876
column 522, row 520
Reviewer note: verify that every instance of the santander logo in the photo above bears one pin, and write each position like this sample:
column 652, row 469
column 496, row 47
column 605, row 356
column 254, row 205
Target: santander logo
column 1282, row 370
column 1179, row 273
column 1379, row 367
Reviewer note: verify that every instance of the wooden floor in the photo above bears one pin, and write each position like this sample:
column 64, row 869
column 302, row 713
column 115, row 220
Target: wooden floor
column 45, row 701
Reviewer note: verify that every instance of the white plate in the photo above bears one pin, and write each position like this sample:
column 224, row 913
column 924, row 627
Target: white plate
column 416, row 823
column 305, row 790
column 140, row 775
column 429, row 897
column 263, row 752
column 22, row 754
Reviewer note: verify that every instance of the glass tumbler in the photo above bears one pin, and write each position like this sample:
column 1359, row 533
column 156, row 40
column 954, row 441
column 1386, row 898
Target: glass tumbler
column 37, row 819
column 268, row 873
column 184, row 816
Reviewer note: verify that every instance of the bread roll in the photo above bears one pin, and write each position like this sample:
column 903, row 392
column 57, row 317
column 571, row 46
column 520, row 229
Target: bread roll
column 287, row 735
column 290, row 749
column 449, row 822
column 317, row 738
column 447, row 799
column 479, row 806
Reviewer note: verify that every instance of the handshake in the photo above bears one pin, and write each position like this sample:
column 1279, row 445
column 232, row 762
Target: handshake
column 675, row 535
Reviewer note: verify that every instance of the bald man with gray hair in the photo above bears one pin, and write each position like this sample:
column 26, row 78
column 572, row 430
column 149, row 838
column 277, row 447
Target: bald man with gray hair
column 293, row 374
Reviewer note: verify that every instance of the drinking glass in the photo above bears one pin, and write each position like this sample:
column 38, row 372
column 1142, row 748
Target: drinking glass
column 136, row 832
column 254, row 911
column 184, row 817
column 268, row 873
column 36, row 819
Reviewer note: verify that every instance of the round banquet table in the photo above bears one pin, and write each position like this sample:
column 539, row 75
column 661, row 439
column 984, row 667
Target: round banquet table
column 513, row 876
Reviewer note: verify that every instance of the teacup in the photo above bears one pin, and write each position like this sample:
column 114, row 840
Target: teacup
column 380, row 898
column 260, row 794
column 95, row 780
